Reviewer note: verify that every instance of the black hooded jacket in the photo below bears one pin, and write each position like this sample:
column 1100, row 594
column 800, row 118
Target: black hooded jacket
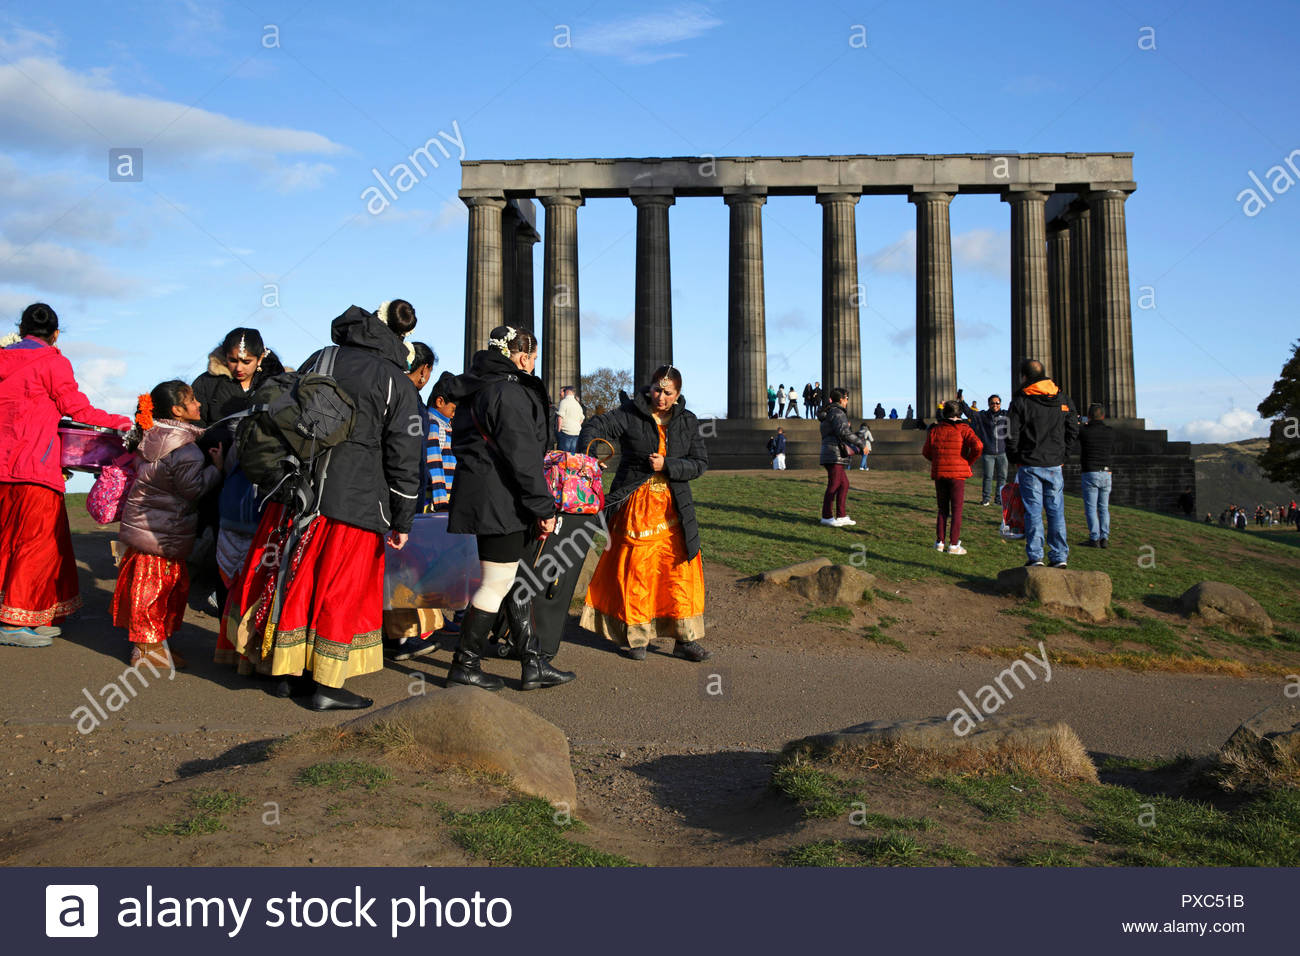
column 373, row 479
column 499, row 487
column 220, row 395
column 1042, row 425
column 632, row 430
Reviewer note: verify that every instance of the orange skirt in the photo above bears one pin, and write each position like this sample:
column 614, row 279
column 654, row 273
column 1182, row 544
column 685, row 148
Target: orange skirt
column 644, row 587
column 149, row 600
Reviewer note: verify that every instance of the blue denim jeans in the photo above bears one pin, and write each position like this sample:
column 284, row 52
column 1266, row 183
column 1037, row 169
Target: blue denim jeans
column 995, row 476
column 568, row 443
column 1044, row 489
column 1096, row 503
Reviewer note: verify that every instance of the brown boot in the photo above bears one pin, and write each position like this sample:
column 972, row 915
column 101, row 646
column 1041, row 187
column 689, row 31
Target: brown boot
column 159, row 655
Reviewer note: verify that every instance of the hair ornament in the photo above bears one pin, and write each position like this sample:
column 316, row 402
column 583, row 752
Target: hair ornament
column 502, row 345
column 144, row 412
column 382, row 311
column 242, row 350
column 13, row 338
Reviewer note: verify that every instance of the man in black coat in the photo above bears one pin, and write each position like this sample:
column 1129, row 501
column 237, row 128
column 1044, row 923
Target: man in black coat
column 1096, row 447
column 1041, row 431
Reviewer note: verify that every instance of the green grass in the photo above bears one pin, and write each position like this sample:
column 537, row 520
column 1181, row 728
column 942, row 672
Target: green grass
column 831, row 614
column 1054, row 854
column 998, row 796
column 343, row 775
column 891, row 849
column 820, row 794
column 875, row 635
column 525, row 832
column 209, row 807
column 753, row 524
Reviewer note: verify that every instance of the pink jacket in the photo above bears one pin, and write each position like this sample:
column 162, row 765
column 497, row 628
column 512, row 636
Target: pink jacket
column 36, row 389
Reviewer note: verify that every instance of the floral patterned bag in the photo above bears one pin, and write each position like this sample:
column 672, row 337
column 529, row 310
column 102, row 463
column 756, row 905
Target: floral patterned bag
column 110, row 489
column 575, row 480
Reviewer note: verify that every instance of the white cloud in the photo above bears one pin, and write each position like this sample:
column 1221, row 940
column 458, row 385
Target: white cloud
column 47, row 108
column 898, row 257
column 641, row 39
column 48, row 267
column 983, row 250
column 57, row 205
column 1233, row 425
column 99, row 370
column 452, row 214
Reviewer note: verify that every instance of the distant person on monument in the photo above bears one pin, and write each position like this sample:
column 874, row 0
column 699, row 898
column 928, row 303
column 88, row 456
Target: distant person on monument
column 808, row 409
column 776, row 448
column 879, row 411
column 1209, row 518
column 893, row 414
column 771, row 402
column 991, row 427
column 839, row 444
column 950, row 447
column 780, row 400
column 819, row 398
column 864, row 433
column 910, row 414
column 570, row 420
column 1096, row 447
column 650, row 580
column 1041, row 431
column 1187, row 502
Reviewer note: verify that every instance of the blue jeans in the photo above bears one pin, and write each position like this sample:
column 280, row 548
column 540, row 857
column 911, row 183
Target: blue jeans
column 995, row 476
column 568, row 443
column 1096, row 503
column 1044, row 488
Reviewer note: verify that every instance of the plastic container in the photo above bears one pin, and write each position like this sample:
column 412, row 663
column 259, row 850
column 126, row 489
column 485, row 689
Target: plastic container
column 435, row 569
column 86, row 448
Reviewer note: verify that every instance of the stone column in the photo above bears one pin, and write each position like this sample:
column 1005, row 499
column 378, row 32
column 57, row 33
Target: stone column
column 1082, row 383
column 561, row 354
column 653, row 330
column 525, row 238
column 1110, row 303
column 1030, row 324
column 1060, row 366
column 841, row 336
column 936, row 332
column 509, row 302
column 483, row 289
column 746, row 317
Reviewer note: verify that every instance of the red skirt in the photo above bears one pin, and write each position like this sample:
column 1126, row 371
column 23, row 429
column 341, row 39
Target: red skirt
column 149, row 600
column 331, row 613
column 38, row 572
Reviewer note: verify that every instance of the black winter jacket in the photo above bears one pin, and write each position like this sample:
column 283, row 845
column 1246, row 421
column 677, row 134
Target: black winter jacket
column 219, row 394
column 373, row 479
column 499, row 487
column 1096, row 446
column 632, row 430
column 1042, row 426
column 839, row 441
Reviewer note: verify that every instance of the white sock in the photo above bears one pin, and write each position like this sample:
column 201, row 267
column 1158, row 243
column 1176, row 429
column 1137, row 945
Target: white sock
column 498, row 577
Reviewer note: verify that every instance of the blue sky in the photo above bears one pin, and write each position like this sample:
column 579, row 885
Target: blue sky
column 260, row 123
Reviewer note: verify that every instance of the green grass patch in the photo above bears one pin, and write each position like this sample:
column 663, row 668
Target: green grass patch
column 876, row 635
column 821, row 795
column 525, row 832
column 1054, row 854
column 891, row 849
column 956, row 855
column 831, row 614
column 888, row 595
column 208, row 807
column 343, row 775
column 1003, row 796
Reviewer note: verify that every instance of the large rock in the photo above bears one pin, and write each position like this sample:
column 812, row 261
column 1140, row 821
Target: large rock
column 836, row 584
column 1083, row 594
column 800, row 570
column 1272, row 735
column 478, row 730
column 1034, row 744
column 1219, row 603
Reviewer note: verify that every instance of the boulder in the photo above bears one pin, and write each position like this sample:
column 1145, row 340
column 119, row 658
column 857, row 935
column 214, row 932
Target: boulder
column 1084, row 594
column 1219, row 603
column 477, row 730
column 1272, row 735
column 1032, row 744
column 802, row 569
column 835, row 584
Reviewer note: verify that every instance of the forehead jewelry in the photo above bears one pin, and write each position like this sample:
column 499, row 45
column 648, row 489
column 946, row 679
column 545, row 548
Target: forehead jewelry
column 242, row 352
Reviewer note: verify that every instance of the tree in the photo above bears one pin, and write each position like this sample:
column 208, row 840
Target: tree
column 600, row 388
column 1280, row 462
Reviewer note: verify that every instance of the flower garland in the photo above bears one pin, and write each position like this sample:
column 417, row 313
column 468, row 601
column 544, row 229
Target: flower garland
column 502, row 345
column 144, row 412
column 13, row 338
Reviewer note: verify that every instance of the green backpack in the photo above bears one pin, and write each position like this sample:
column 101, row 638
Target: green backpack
column 296, row 418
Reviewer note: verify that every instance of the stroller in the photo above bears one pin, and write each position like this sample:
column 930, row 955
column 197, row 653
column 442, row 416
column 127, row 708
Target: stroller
column 1013, row 510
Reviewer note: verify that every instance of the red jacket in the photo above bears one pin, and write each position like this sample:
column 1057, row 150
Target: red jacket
column 37, row 388
column 950, row 447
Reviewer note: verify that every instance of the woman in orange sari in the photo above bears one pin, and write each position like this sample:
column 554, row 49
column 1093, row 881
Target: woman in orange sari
column 650, row 580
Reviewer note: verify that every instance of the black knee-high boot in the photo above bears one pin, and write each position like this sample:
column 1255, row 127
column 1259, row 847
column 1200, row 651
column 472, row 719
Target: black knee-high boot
column 537, row 670
column 467, row 662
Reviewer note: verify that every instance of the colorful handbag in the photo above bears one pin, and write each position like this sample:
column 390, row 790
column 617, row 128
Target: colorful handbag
column 575, row 480
column 108, row 493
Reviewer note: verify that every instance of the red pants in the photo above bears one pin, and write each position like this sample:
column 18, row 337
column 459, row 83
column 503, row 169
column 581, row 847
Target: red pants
column 38, row 573
column 951, row 494
column 837, row 491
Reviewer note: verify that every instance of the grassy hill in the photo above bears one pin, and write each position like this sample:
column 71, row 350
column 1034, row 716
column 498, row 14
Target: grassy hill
column 1229, row 474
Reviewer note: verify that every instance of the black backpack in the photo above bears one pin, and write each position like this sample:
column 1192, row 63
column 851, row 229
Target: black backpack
column 284, row 441
column 771, row 445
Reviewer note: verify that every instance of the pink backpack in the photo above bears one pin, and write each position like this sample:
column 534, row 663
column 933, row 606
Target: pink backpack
column 110, row 489
column 575, row 482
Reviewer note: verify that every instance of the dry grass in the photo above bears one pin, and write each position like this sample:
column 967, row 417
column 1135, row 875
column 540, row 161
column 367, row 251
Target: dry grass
column 1169, row 663
column 1249, row 771
column 1063, row 758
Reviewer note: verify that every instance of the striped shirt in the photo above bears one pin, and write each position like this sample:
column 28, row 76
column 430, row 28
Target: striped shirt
column 439, row 461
